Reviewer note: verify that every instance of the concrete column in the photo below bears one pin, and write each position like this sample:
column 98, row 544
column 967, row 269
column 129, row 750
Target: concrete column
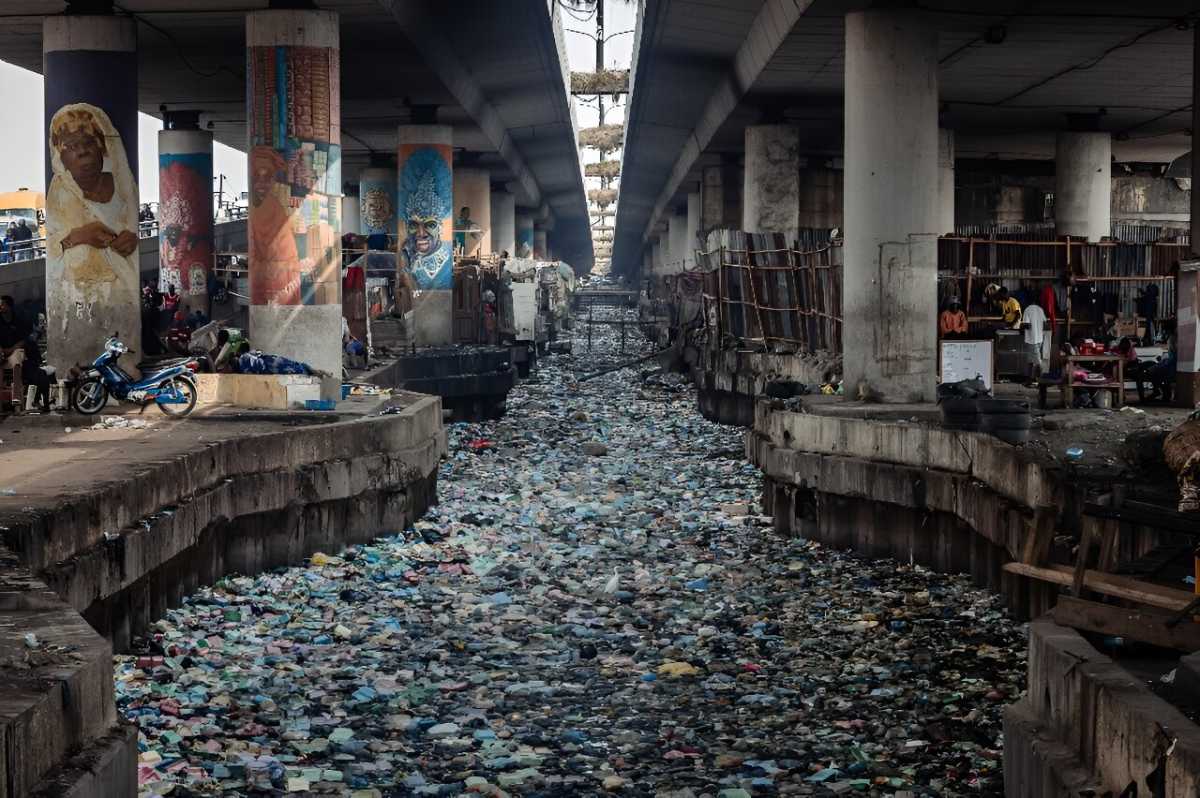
column 712, row 199
column 821, row 198
column 678, row 244
column 693, row 230
column 945, row 181
column 659, row 256
column 524, row 234
column 377, row 207
column 771, row 197
column 295, row 188
column 891, row 178
column 351, row 218
column 425, row 204
column 540, row 243
column 1187, row 326
column 92, row 279
column 1083, row 185
column 504, row 223
column 473, row 212
column 185, row 213
column 1010, row 205
column 1195, row 194
column 720, row 198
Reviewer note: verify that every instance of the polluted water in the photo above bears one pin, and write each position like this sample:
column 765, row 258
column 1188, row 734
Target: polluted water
column 595, row 606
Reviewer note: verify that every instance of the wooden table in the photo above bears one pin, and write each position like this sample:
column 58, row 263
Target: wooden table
column 1069, row 383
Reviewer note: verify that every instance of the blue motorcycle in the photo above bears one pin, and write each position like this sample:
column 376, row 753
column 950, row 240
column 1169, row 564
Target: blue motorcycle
column 172, row 388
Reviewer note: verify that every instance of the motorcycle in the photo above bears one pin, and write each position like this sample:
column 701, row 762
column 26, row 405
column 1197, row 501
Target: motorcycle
column 172, row 388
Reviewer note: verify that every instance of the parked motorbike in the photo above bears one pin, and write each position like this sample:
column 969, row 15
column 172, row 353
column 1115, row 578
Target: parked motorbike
column 172, row 388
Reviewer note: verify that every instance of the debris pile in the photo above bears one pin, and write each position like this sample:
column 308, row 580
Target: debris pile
column 595, row 607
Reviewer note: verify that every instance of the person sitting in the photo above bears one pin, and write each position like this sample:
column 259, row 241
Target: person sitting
column 196, row 319
column 356, row 352
column 34, row 372
column 13, row 336
column 223, row 357
column 952, row 323
column 1161, row 373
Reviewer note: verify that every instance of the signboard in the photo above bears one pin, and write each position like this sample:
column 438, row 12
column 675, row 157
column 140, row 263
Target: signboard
column 524, row 297
column 967, row 360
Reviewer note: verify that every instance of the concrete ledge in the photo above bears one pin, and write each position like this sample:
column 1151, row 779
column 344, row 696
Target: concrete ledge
column 55, row 532
column 51, row 703
column 965, row 502
column 980, row 456
column 106, row 769
column 141, row 537
column 1081, row 701
column 731, row 381
column 265, row 391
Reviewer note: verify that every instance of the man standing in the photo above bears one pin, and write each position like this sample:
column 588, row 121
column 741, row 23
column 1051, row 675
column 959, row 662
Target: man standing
column 25, row 236
column 13, row 334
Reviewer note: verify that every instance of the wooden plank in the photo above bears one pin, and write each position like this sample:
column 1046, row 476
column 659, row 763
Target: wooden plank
column 1167, row 598
column 1148, row 626
column 1039, row 536
column 1145, row 514
column 1085, row 550
column 1110, row 544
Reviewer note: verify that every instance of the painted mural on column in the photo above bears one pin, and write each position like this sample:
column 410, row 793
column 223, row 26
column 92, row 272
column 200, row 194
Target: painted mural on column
column 295, row 176
column 425, row 201
column 185, row 234
column 91, row 210
column 377, row 207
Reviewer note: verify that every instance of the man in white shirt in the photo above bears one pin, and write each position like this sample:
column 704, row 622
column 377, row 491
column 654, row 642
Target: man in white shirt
column 1034, row 321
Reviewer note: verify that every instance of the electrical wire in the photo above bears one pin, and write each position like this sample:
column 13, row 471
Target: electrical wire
column 179, row 50
column 1089, row 64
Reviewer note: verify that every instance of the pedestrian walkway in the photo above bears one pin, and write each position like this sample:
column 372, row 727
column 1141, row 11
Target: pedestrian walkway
column 594, row 607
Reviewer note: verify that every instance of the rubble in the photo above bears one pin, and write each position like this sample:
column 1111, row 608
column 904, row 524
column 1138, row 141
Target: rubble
column 563, row 624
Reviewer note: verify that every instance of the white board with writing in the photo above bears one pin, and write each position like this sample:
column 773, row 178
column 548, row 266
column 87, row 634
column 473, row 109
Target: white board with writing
column 966, row 360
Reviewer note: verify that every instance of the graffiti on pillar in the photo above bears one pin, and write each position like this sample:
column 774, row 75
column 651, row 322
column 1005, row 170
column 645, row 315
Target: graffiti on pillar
column 377, row 208
column 295, row 176
column 185, row 240
column 424, row 200
column 91, row 206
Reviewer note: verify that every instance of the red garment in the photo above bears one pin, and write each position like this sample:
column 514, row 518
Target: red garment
column 355, row 279
column 1050, row 305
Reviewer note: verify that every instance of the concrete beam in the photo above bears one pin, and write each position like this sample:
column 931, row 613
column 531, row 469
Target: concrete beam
column 771, row 27
column 439, row 54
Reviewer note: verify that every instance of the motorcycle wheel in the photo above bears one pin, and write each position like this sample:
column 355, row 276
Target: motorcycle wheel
column 187, row 389
column 89, row 396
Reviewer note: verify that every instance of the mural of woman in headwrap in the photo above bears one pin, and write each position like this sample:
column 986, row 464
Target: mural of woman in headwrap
column 92, row 204
column 425, row 197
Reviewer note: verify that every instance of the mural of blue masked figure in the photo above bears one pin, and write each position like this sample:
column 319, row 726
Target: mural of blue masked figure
column 425, row 197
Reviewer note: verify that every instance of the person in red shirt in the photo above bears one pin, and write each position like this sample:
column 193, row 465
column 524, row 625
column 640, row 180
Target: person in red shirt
column 952, row 323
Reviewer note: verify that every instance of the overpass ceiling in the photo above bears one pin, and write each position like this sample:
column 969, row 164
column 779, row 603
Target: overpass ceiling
column 493, row 69
column 1046, row 66
column 1005, row 100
